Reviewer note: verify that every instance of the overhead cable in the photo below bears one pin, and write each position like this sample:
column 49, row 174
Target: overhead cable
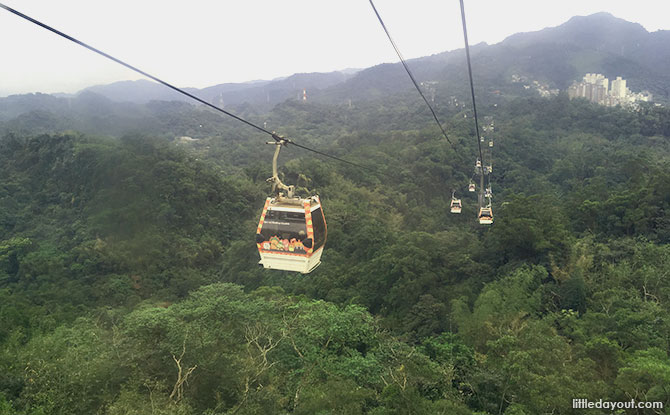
column 472, row 85
column 409, row 72
column 274, row 135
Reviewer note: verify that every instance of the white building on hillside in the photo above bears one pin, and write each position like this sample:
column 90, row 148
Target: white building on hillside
column 595, row 88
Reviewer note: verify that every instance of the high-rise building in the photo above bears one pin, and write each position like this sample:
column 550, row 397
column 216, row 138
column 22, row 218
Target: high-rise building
column 619, row 87
column 594, row 87
column 597, row 79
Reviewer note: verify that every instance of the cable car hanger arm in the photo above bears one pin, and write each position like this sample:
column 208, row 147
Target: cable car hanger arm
column 277, row 184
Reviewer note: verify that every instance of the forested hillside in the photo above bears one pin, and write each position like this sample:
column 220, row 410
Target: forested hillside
column 129, row 281
column 129, row 277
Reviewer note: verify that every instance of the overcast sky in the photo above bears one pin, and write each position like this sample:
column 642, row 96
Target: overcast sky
column 201, row 43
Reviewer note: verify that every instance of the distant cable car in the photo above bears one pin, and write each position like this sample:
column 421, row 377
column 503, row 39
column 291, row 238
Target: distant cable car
column 485, row 215
column 490, row 168
column 488, row 193
column 478, row 163
column 490, row 143
column 455, row 204
column 471, row 187
column 292, row 230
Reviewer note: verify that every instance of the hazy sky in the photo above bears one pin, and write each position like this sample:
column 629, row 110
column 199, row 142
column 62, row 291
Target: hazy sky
column 202, row 43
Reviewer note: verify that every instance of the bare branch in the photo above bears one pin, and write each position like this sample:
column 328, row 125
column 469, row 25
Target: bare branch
column 178, row 389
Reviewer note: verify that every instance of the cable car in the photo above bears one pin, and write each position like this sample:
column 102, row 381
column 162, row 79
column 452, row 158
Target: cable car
column 488, row 193
column 292, row 231
column 291, row 234
column 478, row 163
column 490, row 168
column 485, row 215
column 471, row 187
column 456, row 205
column 490, row 143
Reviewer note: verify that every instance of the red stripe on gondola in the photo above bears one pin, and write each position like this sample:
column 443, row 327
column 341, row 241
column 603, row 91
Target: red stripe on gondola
column 260, row 222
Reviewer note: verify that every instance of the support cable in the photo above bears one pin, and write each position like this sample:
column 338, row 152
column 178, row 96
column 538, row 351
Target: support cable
column 409, row 72
column 273, row 134
column 474, row 104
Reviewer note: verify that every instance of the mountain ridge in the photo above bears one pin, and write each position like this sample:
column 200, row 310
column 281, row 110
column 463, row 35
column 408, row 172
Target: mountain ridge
column 557, row 55
column 600, row 42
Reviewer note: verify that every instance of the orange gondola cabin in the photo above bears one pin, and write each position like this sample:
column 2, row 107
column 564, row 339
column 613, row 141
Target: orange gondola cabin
column 292, row 230
column 485, row 215
column 456, row 205
column 291, row 234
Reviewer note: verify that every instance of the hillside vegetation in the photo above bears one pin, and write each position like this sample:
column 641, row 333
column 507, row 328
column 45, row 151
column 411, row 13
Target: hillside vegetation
column 129, row 283
column 129, row 277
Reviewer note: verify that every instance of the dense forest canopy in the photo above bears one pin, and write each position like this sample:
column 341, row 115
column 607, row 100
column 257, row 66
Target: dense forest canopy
column 125, row 260
column 129, row 277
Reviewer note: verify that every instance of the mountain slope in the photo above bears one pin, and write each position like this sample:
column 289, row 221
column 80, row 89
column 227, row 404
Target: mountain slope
column 557, row 55
column 141, row 91
column 258, row 93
